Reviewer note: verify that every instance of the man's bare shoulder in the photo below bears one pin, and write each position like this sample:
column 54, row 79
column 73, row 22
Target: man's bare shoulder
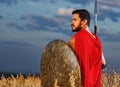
column 71, row 41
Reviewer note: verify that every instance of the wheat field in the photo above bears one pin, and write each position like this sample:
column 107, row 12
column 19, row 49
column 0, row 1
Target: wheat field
column 109, row 79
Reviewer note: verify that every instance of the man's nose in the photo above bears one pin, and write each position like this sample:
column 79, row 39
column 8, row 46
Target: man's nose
column 71, row 22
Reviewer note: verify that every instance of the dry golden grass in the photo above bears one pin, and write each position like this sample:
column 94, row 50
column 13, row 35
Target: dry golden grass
column 112, row 80
column 20, row 81
column 109, row 79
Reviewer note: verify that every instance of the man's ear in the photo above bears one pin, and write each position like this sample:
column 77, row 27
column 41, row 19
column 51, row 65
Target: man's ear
column 84, row 22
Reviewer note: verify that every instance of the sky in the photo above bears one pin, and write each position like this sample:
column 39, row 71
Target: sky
column 26, row 26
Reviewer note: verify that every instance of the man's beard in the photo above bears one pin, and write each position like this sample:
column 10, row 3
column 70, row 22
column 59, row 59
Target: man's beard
column 77, row 28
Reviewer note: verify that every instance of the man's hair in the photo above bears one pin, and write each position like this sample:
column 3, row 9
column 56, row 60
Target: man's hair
column 83, row 14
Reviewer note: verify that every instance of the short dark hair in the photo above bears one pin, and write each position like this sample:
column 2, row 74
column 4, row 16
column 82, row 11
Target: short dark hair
column 83, row 14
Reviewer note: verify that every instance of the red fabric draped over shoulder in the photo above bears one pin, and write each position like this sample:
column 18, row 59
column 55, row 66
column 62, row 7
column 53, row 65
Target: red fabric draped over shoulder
column 89, row 53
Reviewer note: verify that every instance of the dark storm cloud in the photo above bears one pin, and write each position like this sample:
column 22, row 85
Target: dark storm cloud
column 15, row 25
column 110, row 3
column 1, row 17
column 104, row 13
column 35, row 22
column 38, row 22
column 114, row 16
column 108, row 13
column 51, row 1
column 9, row 2
column 106, row 36
column 79, row 1
column 107, row 10
column 35, row 0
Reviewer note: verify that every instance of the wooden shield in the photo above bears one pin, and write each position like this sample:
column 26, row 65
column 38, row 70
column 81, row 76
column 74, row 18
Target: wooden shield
column 59, row 66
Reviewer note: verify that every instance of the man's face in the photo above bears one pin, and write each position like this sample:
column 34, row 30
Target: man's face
column 76, row 22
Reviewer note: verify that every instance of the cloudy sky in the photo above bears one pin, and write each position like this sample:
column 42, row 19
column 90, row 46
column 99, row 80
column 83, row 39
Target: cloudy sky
column 26, row 26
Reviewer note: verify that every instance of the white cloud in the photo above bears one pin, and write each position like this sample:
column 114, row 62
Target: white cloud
column 64, row 11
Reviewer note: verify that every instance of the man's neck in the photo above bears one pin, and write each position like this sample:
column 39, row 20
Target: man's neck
column 87, row 29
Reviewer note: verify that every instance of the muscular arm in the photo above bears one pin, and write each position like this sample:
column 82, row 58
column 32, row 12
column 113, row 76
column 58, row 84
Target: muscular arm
column 71, row 42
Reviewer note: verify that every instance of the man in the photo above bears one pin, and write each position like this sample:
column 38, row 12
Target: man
column 88, row 49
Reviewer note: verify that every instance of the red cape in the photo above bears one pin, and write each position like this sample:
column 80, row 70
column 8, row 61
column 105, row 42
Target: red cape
column 89, row 53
